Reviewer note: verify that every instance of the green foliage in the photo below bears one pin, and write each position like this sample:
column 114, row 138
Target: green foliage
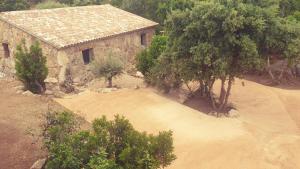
column 13, row 5
column 50, row 5
column 147, row 58
column 31, row 67
column 223, row 40
column 110, row 145
column 108, row 67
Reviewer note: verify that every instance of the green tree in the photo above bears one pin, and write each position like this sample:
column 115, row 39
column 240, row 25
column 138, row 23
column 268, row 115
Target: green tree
column 108, row 67
column 109, row 145
column 147, row 58
column 31, row 67
column 13, row 5
column 50, row 5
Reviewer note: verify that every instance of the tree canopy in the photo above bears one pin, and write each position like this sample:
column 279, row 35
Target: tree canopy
column 222, row 40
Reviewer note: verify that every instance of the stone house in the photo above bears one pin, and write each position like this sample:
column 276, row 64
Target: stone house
column 72, row 37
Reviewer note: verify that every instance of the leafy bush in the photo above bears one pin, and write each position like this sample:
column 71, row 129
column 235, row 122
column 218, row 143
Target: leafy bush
column 147, row 58
column 31, row 67
column 108, row 67
column 50, row 5
column 13, row 5
column 110, row 145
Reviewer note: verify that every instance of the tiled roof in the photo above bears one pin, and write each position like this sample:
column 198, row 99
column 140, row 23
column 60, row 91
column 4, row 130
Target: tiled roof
column 63, row 27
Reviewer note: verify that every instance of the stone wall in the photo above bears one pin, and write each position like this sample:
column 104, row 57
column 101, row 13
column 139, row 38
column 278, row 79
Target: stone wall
column 125, row 46
column 13, row 36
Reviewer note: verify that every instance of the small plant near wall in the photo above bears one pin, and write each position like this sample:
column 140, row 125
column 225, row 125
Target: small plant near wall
column 108, row 67
column 31, row 67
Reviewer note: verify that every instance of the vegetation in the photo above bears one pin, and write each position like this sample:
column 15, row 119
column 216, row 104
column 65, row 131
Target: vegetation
column 109, row 145
column 50, row 5
column 147, row 58
column 13, row 5
column 222, row 40
column 108, row 67
column 31, row 67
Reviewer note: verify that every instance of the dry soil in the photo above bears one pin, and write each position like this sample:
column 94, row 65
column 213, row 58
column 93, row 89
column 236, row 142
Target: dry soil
column 265, row 136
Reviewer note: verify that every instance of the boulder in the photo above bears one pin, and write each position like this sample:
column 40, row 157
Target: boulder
column 233, row 113
column 2, row 75
column 139, row 74
column 28, row 93
column 39, row 164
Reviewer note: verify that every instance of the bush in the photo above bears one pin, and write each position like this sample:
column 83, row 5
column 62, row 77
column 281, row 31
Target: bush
column 50, row 5
column 147, row 58
column 108, row 67
column 31, row 67
column 13, row 5
column 110, row 145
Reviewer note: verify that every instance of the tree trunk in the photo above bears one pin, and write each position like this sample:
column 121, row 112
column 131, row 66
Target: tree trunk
column 110, row 82
column 223, row 91
column 269, row 70
column 222, row 106
column 41, row 88
column 211, row 94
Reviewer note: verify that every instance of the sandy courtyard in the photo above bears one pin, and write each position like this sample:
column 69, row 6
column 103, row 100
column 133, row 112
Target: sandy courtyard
column 265, row 136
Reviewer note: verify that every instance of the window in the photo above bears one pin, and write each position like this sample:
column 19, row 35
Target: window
column 87, row 56
column 6, row 50
column 143, row 39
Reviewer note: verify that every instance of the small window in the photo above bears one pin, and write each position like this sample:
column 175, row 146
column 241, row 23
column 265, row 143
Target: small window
column 143, row 39
column 6, row 50
column 87, row 56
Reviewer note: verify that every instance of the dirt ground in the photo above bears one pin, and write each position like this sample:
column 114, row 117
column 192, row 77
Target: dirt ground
column 265, row 136
column 20, row 120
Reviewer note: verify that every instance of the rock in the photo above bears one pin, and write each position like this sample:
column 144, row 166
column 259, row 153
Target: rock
column 59, row 94
column 49, row 92
column 213, row 113
column 77, row 80
column 107, row 90
column 28, row 93
column 233, row 113
column 139, row 74
column 183, row 98
column 2, row 75
column 19, row 91
column 39, row 164
column 137, row 87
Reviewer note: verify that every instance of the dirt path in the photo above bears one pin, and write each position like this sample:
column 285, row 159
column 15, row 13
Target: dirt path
column 265, row 136
column 20, row 117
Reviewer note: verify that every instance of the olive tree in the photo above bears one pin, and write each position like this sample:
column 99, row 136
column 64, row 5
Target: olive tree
column 108, row 67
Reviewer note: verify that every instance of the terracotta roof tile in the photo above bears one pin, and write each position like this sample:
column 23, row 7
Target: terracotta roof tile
column 64, row 27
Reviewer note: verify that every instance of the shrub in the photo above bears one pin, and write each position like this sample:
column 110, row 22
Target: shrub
column 13, row 5
column 50, row 5
column 147, row 58
column 31, row 67
column 109, row 145
column 108, row 67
